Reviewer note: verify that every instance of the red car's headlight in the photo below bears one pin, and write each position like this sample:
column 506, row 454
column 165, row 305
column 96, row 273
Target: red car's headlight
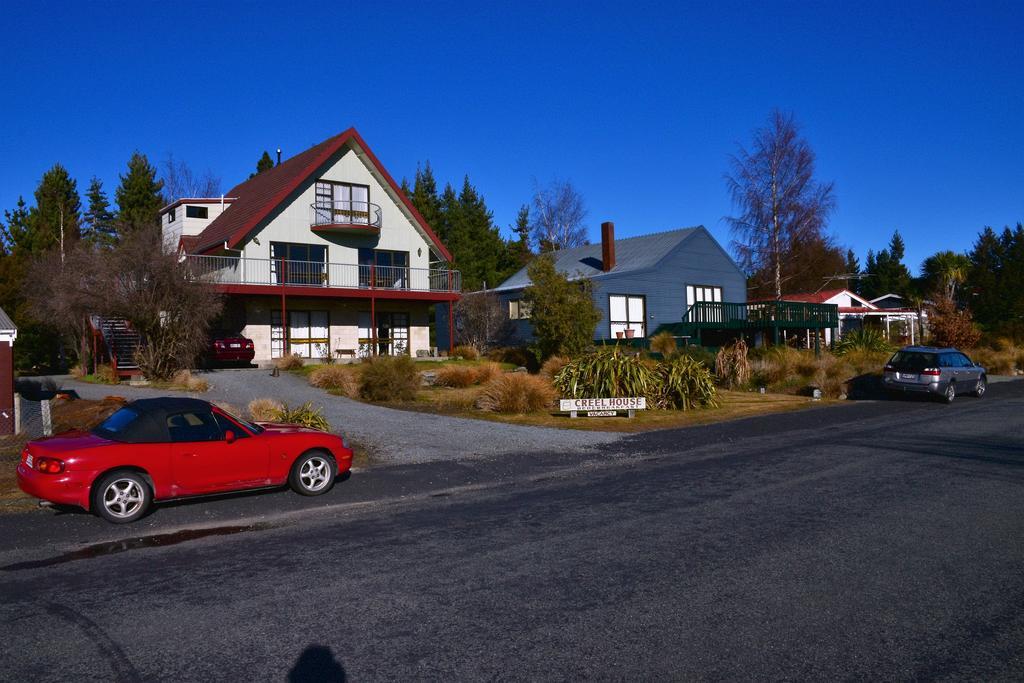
column 50, row 465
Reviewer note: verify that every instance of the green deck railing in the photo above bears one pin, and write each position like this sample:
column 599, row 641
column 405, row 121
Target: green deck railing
column 761, row 314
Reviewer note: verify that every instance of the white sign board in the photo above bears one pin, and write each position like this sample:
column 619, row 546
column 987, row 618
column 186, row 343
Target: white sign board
column 601, row 407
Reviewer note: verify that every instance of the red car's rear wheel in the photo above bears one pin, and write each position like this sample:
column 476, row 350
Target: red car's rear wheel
column 121, row 497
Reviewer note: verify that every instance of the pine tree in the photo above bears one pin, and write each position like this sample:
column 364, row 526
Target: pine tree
column 475, row 242
column 886, row 271
column 264, row 164
column 519, row 248
column 16, row 231
column 55, row 220
column 852, row 268
column 424, row 198
column 138, row 195
column 98, row 221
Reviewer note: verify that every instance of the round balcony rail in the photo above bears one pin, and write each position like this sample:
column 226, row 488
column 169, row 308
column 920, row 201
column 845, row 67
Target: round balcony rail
column 345, row 213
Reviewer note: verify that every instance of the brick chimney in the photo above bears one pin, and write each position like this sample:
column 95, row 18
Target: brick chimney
column 607, row 246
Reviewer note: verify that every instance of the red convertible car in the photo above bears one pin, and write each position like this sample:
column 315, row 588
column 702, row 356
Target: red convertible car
column 163, row 448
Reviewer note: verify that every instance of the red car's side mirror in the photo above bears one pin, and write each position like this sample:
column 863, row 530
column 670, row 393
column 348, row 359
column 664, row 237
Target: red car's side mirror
column 229, row 436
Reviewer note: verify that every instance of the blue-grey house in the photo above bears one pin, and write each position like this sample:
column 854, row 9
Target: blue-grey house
column 640, row 283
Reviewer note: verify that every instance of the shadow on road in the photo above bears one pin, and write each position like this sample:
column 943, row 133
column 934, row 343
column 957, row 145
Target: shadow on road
column 317, row 664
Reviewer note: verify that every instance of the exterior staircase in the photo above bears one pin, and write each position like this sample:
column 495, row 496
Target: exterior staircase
column 119, row 343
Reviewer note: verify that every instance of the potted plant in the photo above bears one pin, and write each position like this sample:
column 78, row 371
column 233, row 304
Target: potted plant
column 629, row 333
column 618, row 335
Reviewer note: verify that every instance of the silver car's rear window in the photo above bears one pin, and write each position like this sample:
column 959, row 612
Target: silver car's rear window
column 914, row 361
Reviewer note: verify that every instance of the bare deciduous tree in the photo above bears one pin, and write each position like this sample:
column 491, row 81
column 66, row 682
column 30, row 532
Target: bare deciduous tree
column 558, row 215
column 480, row 320
column 180, row 181
column 164, row 301
column 782, row 205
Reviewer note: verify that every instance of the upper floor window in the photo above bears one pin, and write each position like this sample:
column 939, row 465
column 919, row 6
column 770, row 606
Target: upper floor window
column 342, row 202
column 703, row 293
column 197, row 211
column 170, row 216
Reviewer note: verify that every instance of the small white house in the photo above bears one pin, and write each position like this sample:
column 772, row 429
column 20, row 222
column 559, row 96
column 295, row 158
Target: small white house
column 888, row 314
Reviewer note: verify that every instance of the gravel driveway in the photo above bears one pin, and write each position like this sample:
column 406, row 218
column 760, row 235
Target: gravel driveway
column 394, row 436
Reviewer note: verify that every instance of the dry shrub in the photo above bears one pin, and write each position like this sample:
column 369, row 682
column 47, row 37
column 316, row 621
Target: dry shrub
column 336, row 378
column 105, row 374
column 553, row 365
column 388, row 378
column 863, row 362
column 264, row 409
column 664, row 343
column 517, row 392
column 485, row 372
column 996, row 362
column 71, row 413
column 186, row 380
column 732, row 366
column 78, row 372
column 455, row 376
column 465, row 352
column 292, row 361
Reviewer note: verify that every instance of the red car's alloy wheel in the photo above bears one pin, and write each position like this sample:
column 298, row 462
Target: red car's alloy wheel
column 313, row 473
column 121, row 497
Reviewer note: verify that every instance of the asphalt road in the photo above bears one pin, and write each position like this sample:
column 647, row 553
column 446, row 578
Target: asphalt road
column 876, row 540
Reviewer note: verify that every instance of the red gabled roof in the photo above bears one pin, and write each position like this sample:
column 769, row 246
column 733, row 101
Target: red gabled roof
column 814, row 298
column 261, row 194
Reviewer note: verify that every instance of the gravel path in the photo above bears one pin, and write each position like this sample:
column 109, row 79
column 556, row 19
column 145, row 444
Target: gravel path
column 394, row 436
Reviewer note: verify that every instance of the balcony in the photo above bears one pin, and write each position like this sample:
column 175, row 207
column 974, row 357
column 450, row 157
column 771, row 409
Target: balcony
column 345, row 216
column 240, row 275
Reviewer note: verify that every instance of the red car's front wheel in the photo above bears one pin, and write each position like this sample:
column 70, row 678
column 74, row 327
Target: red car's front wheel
column 121, row 497
column 313, row 473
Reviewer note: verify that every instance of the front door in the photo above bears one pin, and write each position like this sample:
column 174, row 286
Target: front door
column 203, row 462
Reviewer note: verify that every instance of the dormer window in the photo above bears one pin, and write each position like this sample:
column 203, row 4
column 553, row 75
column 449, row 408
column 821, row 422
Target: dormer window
column 342, row 203
column 197, row 212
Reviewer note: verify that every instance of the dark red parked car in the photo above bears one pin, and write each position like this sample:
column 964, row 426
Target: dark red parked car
column 226, row 347
column 161, row 448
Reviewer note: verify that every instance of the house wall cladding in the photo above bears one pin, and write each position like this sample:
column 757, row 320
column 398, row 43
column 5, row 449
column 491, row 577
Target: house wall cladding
column 696, row 261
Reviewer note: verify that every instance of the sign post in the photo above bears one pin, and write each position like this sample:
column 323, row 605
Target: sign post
column 602, row 407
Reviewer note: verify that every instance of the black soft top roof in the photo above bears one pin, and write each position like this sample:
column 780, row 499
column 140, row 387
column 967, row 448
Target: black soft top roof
column 151, row 424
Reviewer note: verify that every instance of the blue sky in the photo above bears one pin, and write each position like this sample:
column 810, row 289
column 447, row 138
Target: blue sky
column 914, row 109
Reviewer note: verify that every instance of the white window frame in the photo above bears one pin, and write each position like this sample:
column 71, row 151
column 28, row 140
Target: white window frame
column 518, row 309
column 632, row 319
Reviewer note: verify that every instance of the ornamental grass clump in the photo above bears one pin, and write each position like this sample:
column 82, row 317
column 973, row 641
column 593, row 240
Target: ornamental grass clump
column 292, row 361
column 337, row 379
column 485, row 372
column 264, row 409
column 684, row 384
column 664, row 343
column 455, row 376
column 388, row 378
column 553, row 365
column 732, row 366
column 465, row 352
column 518, row 393
column 608, row 372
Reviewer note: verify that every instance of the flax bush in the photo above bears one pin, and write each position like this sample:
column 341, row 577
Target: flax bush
column 305, row 415
column 684, row 384
column 863, row 340
column 517, row 392
column 609, row 371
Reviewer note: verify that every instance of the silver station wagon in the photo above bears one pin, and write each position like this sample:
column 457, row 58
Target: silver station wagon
column 929, row 370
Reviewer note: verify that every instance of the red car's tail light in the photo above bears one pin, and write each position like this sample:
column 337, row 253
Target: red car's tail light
column 931, row 372
column 50, row 465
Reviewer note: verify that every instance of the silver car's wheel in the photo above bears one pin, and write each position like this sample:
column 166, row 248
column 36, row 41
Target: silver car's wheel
column 980, row 387
column 121, row 497
column 313, row 473
column 950, row 392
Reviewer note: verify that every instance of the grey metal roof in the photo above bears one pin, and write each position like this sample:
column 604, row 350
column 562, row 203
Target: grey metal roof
column 631, row 253
column 5, row 321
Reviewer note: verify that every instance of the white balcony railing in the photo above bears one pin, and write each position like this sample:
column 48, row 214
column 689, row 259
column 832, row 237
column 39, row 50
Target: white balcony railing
column 345, row 213
column 233, row 270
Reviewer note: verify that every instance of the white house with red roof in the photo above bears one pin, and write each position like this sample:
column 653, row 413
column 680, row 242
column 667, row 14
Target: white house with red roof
column 899, row 323
column 322, row 255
